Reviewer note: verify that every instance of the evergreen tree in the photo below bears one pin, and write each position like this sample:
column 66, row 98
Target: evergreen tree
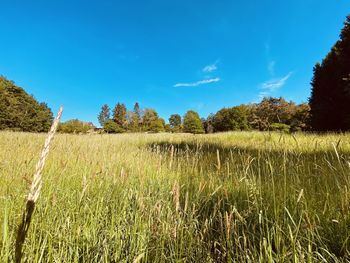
column 104, row 114
column 138, row 111
column 119, row 115
column 135, row 118
column 192, row 123
column 330, row 95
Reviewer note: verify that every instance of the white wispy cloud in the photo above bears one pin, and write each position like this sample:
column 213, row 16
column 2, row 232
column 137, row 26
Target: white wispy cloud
column 275, row 84
column 210, row 68
column 272, row 85
column 197, row 83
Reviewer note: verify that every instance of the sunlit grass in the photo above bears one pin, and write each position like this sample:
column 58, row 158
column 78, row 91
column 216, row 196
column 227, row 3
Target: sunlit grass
column 240, row 196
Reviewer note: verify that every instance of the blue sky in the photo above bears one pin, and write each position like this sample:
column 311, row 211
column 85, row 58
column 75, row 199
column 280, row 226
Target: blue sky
column 169, row 55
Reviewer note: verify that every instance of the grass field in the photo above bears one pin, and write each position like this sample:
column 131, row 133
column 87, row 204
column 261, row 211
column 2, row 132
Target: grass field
column 242, row 197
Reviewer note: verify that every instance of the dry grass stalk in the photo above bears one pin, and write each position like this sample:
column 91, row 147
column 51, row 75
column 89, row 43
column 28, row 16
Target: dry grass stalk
column 171, row 156
column 34, row 191
column 176, row 196
column 218, row 159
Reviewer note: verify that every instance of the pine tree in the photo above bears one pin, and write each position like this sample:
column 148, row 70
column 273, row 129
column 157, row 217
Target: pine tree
column 119, row 115
column 135, row 117
column 330, row 95
column 104, row 114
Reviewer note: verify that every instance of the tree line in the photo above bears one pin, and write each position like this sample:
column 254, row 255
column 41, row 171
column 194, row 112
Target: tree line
column 269, row 114
column 121, row 120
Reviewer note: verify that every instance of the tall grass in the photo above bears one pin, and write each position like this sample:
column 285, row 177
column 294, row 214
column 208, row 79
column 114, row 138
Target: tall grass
column 242, row 197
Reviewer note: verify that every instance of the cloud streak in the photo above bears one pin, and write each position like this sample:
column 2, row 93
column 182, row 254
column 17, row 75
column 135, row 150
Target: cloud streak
column 272, row 85
column 276, row 84
column 198, row 83
column 210, row 68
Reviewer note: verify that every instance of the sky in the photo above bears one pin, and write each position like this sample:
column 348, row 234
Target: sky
column 172, row 56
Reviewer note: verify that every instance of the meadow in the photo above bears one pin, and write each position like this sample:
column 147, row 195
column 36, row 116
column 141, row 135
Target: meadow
column 229, row 197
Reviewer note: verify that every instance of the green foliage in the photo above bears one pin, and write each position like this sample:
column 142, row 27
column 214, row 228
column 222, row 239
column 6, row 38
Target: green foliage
column 301, row 118
column 258, row 116
column 157, row 125
column 208, row 123
column 192, row 123
column 281, row 127
column 330, row 95
column 272, row 110
column 150, row 118
column 111, row 126
column 134, row 118
column 20, row 111
column 119, row 115
column 231, row 119
column 175, row 122
column 75, row 126
column 104, row 114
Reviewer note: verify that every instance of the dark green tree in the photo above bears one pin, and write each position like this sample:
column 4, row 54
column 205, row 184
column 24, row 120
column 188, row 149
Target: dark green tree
column 230, row 119
column 330, row 94
column 20, row 111
column 175, row 122
column 192, row 123
column 104, row 114
column 208, row 123
column 301, row 118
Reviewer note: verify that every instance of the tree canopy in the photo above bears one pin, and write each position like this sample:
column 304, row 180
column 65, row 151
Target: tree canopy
column 192, row 123
column 21, row 111
column 330, row 95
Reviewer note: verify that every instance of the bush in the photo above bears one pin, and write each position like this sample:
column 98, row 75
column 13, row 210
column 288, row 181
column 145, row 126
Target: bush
column 112, row 127
column 281, row 127
column 75, row 126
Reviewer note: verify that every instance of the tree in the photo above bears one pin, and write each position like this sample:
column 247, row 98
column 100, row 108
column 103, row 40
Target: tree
column 208, row 123
column 301, row 118
column 192, row 123
column 175, row 122
column 20, row 111
column 135, row 118
column 138, row 111
column 271, row 110
column 149, row 117
column 157, row 125
column 111, row 126
column 104, row 114
column 119, row 115
column 75, row 126
column 330, row 94
column 230, row 119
